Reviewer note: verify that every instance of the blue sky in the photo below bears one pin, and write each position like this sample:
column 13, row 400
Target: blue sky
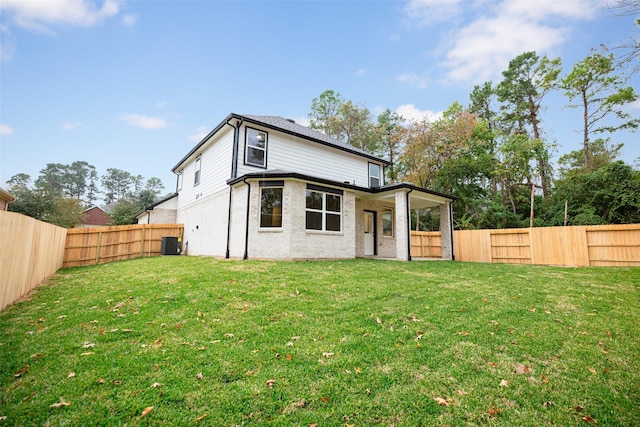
column 134, row 85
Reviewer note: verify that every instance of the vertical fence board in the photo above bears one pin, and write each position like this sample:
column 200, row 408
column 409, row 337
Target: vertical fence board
column 86, row 246
column 30, row 251
column 625, row 251
column 426, row 244
column 472, row 245
column 605, row 245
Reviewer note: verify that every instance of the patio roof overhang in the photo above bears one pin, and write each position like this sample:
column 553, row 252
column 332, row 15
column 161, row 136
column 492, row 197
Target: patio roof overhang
column 419, row 198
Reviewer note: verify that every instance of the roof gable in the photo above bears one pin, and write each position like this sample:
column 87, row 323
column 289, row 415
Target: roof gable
column 287, row 126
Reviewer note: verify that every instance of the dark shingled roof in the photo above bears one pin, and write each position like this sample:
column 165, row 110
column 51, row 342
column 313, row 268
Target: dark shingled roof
column 293, row 127
column 287, row 126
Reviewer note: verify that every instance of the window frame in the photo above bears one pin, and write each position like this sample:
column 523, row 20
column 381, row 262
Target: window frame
column 324, row 210
column 197, row 174
column 371, row 177
column 387, row 211
column 271, row 185
column 248, row 146
column 180, row 180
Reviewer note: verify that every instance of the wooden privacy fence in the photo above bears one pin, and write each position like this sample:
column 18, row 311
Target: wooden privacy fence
column 86, row 246
column 592, row 245
column 30, row 251
column 426, row 244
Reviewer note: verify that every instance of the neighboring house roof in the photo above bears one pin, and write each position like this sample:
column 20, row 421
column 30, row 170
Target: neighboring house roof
column 273, row 174
column 150, row 207
column 5, row 195
column 96, row 216
column 287, row 126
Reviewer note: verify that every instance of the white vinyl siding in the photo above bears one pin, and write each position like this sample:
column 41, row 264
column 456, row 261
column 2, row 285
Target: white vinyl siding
column 293, row 154
column 215, row 169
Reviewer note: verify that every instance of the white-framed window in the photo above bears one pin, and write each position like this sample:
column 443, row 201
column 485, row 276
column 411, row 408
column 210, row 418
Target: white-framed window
column 196, row 175
column 179, row 183
column 387, row 222
column 323, row 209
column 255, row 148
column 374, row 175
column 271, row 194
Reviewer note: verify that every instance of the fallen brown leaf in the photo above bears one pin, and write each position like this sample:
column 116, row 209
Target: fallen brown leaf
column 22, row 371
column 504, row 383
column 588, row 419
column 146, row 411
column 201, row 417
column 71, row 375
column 271, row 382
column 593, row 371
column 60, row 404
column 493, row 411
column 441, row 401
column 521, row 369
column 156, row 385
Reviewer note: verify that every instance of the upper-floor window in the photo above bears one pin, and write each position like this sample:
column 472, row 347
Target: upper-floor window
column 179, row 183
column 374, row 175
column 196, row 175
column 323, row 209
column 255, row 148
column 271, row 204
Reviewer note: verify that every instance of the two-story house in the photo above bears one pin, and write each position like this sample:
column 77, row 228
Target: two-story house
column 267, row 187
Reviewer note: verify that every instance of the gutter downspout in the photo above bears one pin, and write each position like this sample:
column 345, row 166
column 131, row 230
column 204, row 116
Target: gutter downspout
column 234, row 172
column 246, row 234
column 453, row 255
column 409, row 226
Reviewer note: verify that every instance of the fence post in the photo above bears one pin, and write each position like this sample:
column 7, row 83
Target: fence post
column 98, row 247
column 142, row 243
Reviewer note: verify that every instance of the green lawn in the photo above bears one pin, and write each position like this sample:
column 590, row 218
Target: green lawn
column 333, row 343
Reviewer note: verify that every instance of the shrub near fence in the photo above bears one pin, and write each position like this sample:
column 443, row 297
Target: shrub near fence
column 30, row 251
column 86, row 246
column 594, row 245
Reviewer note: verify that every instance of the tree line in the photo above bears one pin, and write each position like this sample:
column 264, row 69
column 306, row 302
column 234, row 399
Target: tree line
column 493, row 153
column 61, row 193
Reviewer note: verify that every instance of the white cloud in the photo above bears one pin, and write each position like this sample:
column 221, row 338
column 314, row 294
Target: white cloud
column 146, row 122
column 161, row 104
column 302, row 120
column 7, row 48
column 425, row 12
column 6, row 129
column 130, row 20
column 72, row 125
column 362, row 72
column 198, row 134
column 497, row 31
column 38, row 15
column 411, row 113
column 414, row 79
column 483, row 48
column 635, row 105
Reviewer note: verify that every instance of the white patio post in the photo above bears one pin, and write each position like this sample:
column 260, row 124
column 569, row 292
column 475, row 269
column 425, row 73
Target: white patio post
column 446, row 231
column 402, row 226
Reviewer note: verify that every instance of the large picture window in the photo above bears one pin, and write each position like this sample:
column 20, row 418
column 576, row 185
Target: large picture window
column 271, row 207
column 323, row 210
column 255, row 153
